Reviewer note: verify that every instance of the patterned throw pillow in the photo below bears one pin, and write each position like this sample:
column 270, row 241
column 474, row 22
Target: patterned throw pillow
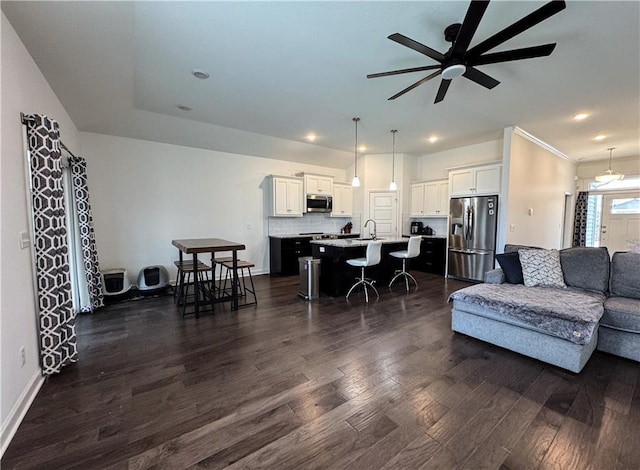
column 541, row 268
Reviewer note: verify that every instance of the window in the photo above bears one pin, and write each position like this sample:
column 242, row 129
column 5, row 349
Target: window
column 629, row 182
column 625, row 205
column 594, row 219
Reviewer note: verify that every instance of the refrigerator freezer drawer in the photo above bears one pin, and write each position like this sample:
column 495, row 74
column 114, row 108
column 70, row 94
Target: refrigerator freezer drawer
column 470, row 264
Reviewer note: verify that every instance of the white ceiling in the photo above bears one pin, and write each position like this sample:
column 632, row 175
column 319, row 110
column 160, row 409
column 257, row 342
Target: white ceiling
column 282, row 69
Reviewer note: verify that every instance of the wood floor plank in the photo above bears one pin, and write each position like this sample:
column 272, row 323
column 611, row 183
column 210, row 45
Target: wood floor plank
column 290, row 384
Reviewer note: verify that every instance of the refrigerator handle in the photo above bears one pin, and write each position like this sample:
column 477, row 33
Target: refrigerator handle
column 468, row 232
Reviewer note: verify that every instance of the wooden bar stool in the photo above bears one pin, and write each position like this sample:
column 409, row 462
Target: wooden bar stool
column 412, row 251
column 374, row 249
column 242, row 289
column 184, row 279
column 215, row 262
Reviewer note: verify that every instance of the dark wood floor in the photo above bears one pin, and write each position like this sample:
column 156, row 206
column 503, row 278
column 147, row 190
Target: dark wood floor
column 327, row 385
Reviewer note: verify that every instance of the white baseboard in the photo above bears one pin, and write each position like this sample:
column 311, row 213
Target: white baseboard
column 10, row 425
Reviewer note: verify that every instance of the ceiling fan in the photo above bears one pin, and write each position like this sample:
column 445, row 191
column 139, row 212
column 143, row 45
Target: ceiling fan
column 460, row 60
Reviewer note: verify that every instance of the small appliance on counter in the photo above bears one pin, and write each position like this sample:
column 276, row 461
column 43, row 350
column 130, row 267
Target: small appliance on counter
column 416, row 228
column 428, row 231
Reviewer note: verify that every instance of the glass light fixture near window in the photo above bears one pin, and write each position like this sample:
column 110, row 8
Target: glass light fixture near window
column 355, row 182
column 393, row 186
column 608, row 176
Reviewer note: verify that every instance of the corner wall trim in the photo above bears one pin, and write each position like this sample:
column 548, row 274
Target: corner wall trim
column 19, row 410
column 544, row 145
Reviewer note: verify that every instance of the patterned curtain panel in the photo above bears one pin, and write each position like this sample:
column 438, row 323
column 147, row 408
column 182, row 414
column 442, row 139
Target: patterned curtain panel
column 78, row 168
column 580, row 219
column 58, row 342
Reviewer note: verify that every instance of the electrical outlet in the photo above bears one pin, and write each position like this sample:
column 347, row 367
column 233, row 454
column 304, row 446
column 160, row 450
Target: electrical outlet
column 248, row 226
column 23, row 357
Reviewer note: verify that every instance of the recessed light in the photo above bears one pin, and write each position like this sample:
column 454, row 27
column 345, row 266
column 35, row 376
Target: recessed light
column 600, row 137
column 184, row 108
column 580, row 116
column 310, row 137
column 362, row 148
column 433, row 139
column 201, row 74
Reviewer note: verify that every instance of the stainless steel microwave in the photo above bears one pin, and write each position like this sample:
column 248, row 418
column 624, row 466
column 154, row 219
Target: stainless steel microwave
column 319, row 203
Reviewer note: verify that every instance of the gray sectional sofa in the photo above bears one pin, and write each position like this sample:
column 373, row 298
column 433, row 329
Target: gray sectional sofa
column 599, row 307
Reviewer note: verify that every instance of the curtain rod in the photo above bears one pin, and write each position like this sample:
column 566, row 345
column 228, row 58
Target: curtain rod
column 24, row 118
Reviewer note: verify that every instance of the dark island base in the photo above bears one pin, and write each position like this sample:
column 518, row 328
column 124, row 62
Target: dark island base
column 337, row 277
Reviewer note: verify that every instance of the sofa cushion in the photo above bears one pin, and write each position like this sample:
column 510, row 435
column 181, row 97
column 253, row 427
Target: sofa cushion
column 510, row 264
column 586, row 268
column 541, row 268
column 622, row 313
column 570, row 314
column 625, row 274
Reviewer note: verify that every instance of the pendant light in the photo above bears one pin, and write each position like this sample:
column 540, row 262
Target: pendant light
column 609, row 176
column 355, row 182
column 393, row 186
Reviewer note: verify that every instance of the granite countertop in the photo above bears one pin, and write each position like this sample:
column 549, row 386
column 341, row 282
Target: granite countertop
column 297, row 235
column 426, row 236
column 354, row 242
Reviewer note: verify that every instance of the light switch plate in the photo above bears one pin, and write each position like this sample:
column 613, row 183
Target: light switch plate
column 25, row 241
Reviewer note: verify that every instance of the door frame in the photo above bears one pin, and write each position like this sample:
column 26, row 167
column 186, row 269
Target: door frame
column 396, row 196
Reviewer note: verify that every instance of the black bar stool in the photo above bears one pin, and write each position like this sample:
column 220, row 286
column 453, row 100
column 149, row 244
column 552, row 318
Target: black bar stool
column 242, row 290
column 185, row 279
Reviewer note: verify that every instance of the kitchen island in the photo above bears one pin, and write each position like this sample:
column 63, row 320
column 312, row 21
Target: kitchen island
column 336, row 276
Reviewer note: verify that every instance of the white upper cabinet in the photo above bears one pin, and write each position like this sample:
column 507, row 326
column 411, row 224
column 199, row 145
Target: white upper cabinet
column 317, row 184
column 475, row 181
column 286, row 196
column 429, row 199
column 342, row 200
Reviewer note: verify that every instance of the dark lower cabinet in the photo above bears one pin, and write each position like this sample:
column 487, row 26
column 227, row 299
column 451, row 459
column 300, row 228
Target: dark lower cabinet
column 433, row 254
column 284, row 254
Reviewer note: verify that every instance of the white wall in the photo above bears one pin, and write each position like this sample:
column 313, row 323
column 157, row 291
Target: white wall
column 434, row 166
column 538, row 181
column 24, row 89
column 144, row 194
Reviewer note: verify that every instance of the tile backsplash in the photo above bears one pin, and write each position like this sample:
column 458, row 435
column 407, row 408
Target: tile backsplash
column 307, row 223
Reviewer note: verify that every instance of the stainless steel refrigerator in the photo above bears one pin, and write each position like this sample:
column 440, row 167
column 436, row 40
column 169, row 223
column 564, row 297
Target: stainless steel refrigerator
column 472, row 236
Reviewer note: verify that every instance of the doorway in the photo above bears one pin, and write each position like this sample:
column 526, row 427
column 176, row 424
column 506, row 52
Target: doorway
column 620, row 228
column 383, row 208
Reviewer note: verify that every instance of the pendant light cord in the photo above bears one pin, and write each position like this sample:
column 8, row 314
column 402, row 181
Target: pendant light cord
column 355, row 148
column 393, row 167
column 610, row 149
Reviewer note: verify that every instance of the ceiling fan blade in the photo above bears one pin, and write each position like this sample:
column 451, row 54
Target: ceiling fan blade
column 518, row 27
column 398, row 72
column 442, row 90
column 416, row 46
column 419, row 82
column 469, row 26
column 514, row 54
column 480, row 78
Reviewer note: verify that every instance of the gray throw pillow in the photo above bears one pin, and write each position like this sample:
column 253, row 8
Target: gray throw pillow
column 541, row 268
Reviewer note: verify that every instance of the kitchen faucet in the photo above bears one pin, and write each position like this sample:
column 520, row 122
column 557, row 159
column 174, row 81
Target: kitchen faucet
column 375, row 235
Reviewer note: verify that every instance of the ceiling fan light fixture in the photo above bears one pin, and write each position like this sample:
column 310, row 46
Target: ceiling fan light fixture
column 609, row 176
column 453, row 71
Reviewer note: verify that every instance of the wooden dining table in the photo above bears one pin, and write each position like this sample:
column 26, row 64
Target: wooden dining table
column 194, row 246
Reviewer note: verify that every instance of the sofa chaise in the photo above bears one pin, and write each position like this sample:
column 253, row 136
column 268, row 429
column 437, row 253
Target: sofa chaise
column 561, row 324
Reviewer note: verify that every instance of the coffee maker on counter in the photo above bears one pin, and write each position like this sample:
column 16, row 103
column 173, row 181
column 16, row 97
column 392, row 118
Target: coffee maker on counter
column 418, row 228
